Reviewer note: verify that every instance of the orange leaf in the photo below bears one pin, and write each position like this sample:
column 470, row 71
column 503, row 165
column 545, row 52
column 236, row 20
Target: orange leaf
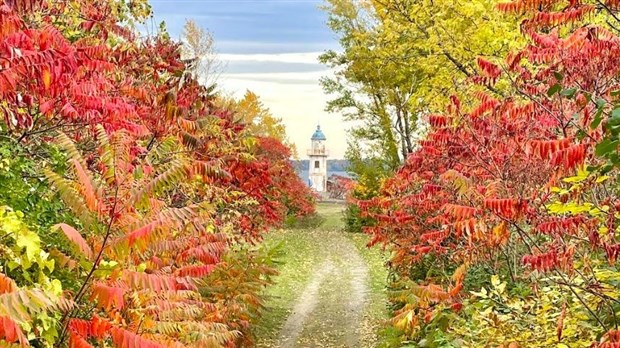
column 87, row 187
column 47, row 78
column 6, row 284
column 75, row 236
column 11, row 332
column 127, row 339
column 108, row 296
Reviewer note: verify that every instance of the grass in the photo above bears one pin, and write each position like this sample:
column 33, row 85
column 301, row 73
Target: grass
column 301, row 252
column 332, row 213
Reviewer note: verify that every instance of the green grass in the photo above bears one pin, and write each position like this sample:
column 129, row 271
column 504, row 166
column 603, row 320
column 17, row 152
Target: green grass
column 301, row 252
column 332, row 213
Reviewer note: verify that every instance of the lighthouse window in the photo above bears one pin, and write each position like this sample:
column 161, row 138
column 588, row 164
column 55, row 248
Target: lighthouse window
column 316, row 164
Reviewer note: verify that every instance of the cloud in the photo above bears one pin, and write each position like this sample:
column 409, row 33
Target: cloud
column 308, row 78
column 304, row 57
column 271, row 47
column 244, row 67
column 236, row 22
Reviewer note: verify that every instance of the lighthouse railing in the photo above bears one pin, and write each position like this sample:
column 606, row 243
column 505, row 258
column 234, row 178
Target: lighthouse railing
column 318, row 152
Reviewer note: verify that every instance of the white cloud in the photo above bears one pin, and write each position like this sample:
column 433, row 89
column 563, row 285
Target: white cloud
column 304, row 58
column 308, row 78
column 271, row 47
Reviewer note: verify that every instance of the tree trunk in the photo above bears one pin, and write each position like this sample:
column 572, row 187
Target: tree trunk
column 402, row 132
column 391, row 149
column 408, row 131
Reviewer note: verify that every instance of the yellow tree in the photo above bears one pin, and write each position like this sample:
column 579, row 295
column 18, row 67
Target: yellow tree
column 360, row 86
column 404, row 58
column 259, row 120
column 199, row 53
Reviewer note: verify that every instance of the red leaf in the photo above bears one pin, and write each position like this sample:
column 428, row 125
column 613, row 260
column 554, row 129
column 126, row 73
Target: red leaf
column 196, row 271
column 11, row 332
column 127, row 339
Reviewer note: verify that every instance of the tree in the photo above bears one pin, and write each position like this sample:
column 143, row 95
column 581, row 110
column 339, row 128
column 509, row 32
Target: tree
column 258, row 118
column 198, row 51
column 403, row 59
column 362, row 91
column 516, row 187
column 159, row 197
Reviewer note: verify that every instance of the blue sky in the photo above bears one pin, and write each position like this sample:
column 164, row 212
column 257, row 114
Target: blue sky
column 270, row 47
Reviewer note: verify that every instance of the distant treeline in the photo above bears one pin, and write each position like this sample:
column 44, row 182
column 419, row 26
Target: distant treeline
column 332, row 165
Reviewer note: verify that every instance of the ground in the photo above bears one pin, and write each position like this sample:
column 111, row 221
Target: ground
column 330, row 291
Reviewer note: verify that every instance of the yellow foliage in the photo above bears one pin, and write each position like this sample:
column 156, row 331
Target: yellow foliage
column 496, row 318
column 431, row 42
column 261, row 122
column 443, row 38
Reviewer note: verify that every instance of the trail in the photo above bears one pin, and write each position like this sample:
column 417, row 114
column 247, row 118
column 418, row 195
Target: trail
column 329, row 311
column 330, row 308
column 304, row 307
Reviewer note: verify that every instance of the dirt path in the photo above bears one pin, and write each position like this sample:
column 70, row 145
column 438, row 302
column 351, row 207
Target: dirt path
column 304, row 307
column 333, row 302
column 326, row 293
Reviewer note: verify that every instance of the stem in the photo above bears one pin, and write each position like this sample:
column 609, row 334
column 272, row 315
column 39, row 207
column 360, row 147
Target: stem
column 608, row 10
column 83, row 288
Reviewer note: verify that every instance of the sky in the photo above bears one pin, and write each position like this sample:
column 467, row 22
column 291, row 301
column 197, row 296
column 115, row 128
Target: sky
column 269, row 47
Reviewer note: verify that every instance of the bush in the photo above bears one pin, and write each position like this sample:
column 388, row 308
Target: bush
column 353, row 221
column 369, row 174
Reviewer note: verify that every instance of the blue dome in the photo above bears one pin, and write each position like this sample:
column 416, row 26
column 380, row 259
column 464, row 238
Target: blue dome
column 318, row 134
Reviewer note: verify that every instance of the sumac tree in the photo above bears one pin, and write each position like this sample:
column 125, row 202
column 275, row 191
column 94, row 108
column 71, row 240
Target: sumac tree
column 168, row 194
column 515, row 185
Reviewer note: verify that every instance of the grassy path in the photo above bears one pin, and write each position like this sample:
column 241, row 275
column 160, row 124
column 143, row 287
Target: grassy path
column 330, row 289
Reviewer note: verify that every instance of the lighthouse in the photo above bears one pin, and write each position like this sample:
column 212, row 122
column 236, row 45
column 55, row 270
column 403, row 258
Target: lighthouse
column 318, row 161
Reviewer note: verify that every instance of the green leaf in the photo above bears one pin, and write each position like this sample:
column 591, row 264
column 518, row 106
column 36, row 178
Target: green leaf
column 554, row 89
column 569, row 92
column 606, row 169
column 558, row 76
column 606, row 146
column 581, row 134
column 597, row 119
column 615, row 117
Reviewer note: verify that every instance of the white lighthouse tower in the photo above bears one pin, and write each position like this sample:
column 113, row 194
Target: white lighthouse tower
column 318, row 161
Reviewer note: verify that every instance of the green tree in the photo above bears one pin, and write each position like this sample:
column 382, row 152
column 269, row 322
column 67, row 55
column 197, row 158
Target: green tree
column 402, row 59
